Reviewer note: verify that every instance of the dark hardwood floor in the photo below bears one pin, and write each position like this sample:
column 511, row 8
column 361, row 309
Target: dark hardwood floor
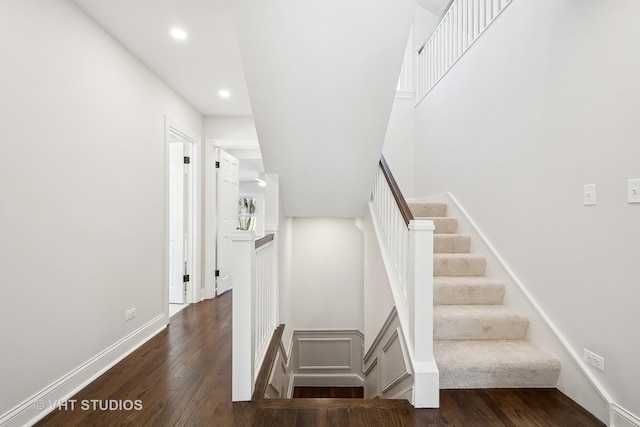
column 182, row 377
column 334, row 392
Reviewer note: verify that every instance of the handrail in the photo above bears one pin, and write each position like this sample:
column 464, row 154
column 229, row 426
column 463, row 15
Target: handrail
column 435, row 27
column 407, row 215
column 406, row 245
column 264, row 240
column 459, row 27
column 262, row 381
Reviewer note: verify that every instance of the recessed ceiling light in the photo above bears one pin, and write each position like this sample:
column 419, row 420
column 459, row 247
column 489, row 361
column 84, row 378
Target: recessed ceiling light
column 178, row 33
column 224, row 93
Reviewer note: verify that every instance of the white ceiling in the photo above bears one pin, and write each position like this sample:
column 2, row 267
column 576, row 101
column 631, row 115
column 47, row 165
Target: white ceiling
column 198, row 67
column 322, row 74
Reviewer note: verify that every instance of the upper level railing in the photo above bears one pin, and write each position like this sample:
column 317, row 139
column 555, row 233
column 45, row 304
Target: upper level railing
column 255, row 307
column 459, row 27
column 406, row 244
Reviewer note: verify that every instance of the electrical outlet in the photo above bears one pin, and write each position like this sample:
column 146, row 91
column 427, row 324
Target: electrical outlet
column 130, row 314
column 589, row 194
column 593, row 359
column 633, row 191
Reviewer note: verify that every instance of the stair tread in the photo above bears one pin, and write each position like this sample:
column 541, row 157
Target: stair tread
column 490, row 353
column 459, row 256
column 494, row 364
column 466, row 280
column 476, row 311
column 332, row 403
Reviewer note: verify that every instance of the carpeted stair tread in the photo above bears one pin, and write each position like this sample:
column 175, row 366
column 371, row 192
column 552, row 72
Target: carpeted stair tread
column 478, row 322
column 494, row 364
column 451, row 243
column 420, row 210
column 458, row 265
column 467, row 290
column 443, row 225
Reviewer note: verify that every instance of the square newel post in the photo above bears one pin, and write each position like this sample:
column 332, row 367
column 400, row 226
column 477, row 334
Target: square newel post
column 426, row 391
column 242, row 349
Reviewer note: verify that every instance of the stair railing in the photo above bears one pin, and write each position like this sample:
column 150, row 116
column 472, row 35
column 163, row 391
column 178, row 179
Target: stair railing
column 407, row 247
column 255, row 307
column 460, row 26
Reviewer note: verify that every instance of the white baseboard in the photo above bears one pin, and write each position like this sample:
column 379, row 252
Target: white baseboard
column 488, row 246
column 620, row 417
column 26, row 414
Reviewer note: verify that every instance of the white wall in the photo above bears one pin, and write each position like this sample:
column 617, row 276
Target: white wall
column 399, row 142
column 82, row 184
column 326, row 274
column 544, row 102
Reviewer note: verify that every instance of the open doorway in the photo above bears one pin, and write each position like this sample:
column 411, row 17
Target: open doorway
column 229, row 167
column 182, row 219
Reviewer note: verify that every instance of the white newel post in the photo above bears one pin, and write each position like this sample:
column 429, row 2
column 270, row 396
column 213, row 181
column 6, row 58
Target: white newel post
column 242, row 350
column 426, row 391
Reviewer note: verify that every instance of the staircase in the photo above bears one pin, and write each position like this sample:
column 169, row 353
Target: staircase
column 478, row 342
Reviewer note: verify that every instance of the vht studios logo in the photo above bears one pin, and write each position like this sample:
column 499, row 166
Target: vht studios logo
column 90, row 405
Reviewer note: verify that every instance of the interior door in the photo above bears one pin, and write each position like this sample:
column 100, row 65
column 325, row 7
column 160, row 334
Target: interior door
column 176, row 223
column 228, row 170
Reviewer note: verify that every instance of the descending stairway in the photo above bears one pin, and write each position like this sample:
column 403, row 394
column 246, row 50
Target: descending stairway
column 479, row 343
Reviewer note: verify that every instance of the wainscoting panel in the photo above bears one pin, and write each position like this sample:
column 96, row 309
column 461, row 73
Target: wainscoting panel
column 327, row 358
column 278, row 386
column 387, row 365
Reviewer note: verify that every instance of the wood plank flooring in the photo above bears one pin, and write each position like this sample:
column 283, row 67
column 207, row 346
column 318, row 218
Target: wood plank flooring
column 182, row 377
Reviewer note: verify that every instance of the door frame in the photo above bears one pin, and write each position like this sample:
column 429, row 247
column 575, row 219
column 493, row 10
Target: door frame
column 194, row 214
column 210, row 203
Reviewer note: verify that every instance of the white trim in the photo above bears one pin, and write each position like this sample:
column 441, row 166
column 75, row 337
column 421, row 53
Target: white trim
column 556, row 332
column 620, row 417
column 74, row 381
column 403, row 391
column 234, row 143
column 194, row 258
column 210, row 219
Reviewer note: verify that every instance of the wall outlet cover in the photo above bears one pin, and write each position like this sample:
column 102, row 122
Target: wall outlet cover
column 633, row 191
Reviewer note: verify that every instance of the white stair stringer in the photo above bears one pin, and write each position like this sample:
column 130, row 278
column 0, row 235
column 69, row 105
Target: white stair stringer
column 478, row 342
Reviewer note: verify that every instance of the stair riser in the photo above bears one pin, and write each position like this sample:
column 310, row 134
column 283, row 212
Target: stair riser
column 480, row 329
column 445, row 225
column 471, row 266
column 451, row 243
column 428, row 209
column 464, row 294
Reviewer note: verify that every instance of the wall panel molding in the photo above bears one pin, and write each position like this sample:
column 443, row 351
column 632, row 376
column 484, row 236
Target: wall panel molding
column 329, row 357
column 387, row 366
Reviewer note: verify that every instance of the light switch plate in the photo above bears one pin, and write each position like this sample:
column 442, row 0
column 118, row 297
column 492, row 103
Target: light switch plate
column 589, row 194
column 633, row 191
